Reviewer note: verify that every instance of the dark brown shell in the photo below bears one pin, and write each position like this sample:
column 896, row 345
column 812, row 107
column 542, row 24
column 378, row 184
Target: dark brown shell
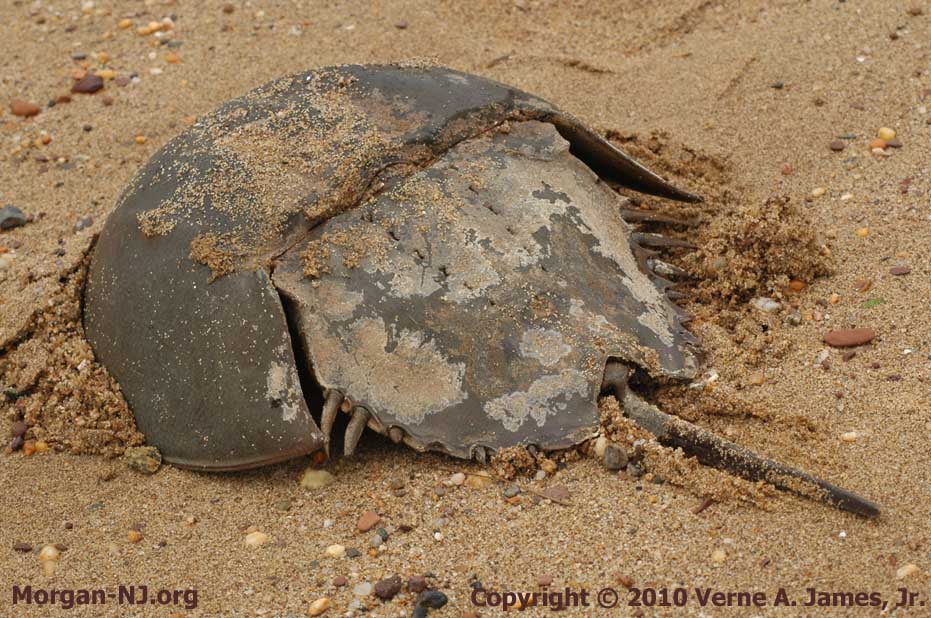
column 329, row 174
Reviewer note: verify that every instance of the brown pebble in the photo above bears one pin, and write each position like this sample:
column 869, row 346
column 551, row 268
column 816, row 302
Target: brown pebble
column 22, row 547
column 901, row 269
column 625, row 580
column 849, row 337
column 387, row 588
column 837, row 145
column 894, row 143
column 229, row 8
column 63, row 98
column 339, row 581
column 787, row 170
column 916, row 11
column 417, row 583
column 18, row 429
column 879, row 143
column 89, row 84
column 848, row 355
column 24, row 108
column 122, row 80
column 367, row 521
column 544, row 581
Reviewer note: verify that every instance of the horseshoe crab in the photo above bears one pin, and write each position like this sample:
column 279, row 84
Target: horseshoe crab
column 442, row 257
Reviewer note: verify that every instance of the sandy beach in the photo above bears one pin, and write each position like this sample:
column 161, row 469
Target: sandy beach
column 769, row 110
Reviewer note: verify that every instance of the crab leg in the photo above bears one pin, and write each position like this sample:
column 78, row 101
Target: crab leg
column 360, row 418
column 330, row 409
column 665, row 269
column 647, row 216
column 658, row 240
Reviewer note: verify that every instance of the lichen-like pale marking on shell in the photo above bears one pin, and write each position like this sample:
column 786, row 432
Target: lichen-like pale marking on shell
column 280, row 386
column 413, row 379
column 546, row 345
column 657, row 315
column 337, row 301
column 546, row 396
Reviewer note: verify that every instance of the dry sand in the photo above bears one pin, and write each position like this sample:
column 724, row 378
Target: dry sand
column 688, row 86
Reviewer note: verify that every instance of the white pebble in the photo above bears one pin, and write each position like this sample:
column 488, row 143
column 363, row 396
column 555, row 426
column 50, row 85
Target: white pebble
column 49, row 552
column 849, row 436
column 906, row 570
column 458, row 478
column 316, row 479
column 600, row 445
column 362, row 590
column 767, row 305
column 255, row 539
column 335, row 551
column 718, row 556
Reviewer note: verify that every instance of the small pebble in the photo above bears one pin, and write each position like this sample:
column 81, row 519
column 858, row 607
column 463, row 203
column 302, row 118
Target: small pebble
column 849, row 337
column 49, row 552
column 24, row 109
column 22, row 547
column 362, row 590
column 849, row 436
column 432, row 599
column 319, row 606
column 339, row 581
column 615, row 458
column 18, row 429
column 906, row 570
column 818, row 191
column 417, row 583
column 458, row 478
column 478, row 481
column 766, row 305
column 336, row 551
column 718, row 556
column 900, row 269
column 89, row 84
column 544, row 581
column 316, row 479
column 133, row 536
column 837, row 145
column 10, row 217
column 511, row 490
column 283, row 505
column 352, row 552
column 886, row 133
column 367, row 521
column 387, row 588
column 878, row 144
column 255, row 539
column 376, row 541
column 144, row 459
